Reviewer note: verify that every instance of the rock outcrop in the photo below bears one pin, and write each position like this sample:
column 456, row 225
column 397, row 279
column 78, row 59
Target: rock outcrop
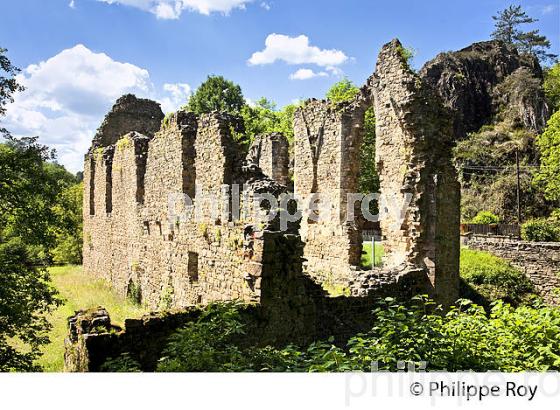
column 467, row 81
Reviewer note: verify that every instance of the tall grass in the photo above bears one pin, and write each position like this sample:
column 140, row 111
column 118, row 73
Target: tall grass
column 80, row 291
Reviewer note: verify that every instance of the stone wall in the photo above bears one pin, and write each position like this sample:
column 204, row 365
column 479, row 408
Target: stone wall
column 539, row 260
column 161, row 225
column 419, row 187
column 292, row 309
column 145, row 253
column 128, row 114
column 270, row 153
column 327, row 140
column 414, row 141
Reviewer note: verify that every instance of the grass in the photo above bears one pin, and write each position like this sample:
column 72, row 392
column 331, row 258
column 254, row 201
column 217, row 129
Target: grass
column 493, row 278
column 367, row 256
column 80, row 291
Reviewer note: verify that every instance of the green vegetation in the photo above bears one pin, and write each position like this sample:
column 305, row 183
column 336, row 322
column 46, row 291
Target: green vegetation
column 8, row 85
column 367, row 255
column 342, row 91
column 549, row 144
column 541, row 230
column 264, row 118
column 507, row 29
column 465, row 338
column 485, row 218
column 216, row 94
column 68, row 230
column 489, row 278
column 407, row 54
column 552, row 87
column 79, row 291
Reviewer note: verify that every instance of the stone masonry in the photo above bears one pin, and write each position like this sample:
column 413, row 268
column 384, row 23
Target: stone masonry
column 271, row 154
column 162, row 226
column 414, row 141
column 193, row 166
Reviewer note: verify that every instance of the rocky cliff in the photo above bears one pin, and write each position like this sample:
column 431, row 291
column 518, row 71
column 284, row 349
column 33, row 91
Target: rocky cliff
column 489, row 80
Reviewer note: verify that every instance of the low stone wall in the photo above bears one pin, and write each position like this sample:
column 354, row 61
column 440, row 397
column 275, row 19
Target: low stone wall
column 539, row 260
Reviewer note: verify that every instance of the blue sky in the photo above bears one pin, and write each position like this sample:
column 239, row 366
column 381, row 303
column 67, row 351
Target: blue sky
column 79, row 56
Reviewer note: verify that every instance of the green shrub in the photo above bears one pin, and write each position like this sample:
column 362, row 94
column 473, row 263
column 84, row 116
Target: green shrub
column 485, row 218
column 493, row 278
column 541, row 230
column 207, row 344
column 466, row 338
column 122, row 364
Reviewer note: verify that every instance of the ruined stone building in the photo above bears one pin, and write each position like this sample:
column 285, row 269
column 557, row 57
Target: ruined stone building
column 134, row 165
column 306, row 281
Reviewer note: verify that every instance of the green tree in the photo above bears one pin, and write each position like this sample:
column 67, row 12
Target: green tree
column 507, row 29
column 217, row 94
column 552, row 86
column 264, row 118
column 27, row 194
column 549, row 145
column 68, row 230
column 344, row 91
column 8, row 85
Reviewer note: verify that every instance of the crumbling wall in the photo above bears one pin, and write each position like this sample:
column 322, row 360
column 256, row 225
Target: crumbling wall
column 327, row 139
column 292, row 308
column 160, row 242
column 414, row 140
column 270, row 152
column 420, row 194
column 128, row 114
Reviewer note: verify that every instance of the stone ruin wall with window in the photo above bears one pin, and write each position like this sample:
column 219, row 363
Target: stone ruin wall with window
column 307, row 282
column 134, row 164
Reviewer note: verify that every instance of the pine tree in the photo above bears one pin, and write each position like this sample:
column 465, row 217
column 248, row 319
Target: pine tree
column 507, row 29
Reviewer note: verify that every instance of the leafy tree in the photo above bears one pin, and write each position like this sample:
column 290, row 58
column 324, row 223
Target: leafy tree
column 549, row 145
column 485, row 217
column 27, row 194
column 68, row 230
column 8, row 85
column 552, row 86
column 507, row 29
column 342, row 91
column 217, row 94
column 264, row 118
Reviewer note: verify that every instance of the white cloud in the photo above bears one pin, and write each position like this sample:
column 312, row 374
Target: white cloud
column 179, row 95
column 172, row 9
column 296, row 50
column 72, row 4
column 266, row 6
column 306, row 74
column 68, row 95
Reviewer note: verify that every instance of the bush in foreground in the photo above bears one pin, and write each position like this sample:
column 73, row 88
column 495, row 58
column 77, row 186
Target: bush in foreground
column 465, row 338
